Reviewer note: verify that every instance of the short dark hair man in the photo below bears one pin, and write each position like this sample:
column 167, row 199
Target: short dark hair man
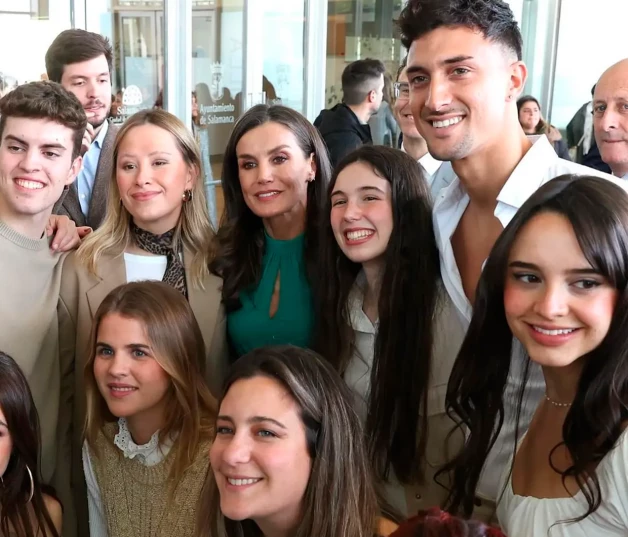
column 345, row 127
column 465, row 74
column 41, row 129
column 82, row 62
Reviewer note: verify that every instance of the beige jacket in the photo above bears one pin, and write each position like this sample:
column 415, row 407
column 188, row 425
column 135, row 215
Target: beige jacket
column 81, row 295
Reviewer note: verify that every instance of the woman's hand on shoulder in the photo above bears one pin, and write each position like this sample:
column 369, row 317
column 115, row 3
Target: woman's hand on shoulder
column 66, row 235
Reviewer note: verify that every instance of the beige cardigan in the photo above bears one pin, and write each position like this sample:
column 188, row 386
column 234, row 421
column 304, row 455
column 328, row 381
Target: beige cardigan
column 81, row 294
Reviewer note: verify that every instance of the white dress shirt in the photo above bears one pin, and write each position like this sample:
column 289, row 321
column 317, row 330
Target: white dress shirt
column 539, row 165
column 428, row 163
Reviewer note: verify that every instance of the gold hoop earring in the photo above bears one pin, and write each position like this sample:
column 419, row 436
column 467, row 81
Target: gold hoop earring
column 187, row 196
column 30, row 474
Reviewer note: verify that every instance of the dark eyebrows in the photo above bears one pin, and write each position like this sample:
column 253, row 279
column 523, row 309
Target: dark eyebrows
column 255, row 419
column 361, row 189
column 448, row 61
column 270, row 152
column 45, row 146
column 577, row 271
column 132, row 346
column 4, row 424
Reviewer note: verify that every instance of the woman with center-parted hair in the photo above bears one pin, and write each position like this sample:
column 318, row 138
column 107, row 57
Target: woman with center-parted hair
column 556, row 282
column 27, row 507
column 275, row 172
column 150, row 417
column 288, row 457
column 385, row 321
column 157, row 227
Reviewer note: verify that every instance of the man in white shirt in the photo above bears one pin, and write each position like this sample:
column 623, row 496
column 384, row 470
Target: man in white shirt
column 413, row 143
column 464, row 87
column 610, row 118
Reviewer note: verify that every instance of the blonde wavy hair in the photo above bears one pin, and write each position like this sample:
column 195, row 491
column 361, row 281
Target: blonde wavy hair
column 193, row 230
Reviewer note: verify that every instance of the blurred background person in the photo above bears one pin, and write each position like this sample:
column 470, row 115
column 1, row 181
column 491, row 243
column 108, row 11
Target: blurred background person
column 384, row 128
column 533, row 123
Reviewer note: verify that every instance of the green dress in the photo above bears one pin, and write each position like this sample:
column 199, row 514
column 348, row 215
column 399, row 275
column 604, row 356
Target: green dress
column 251, row 326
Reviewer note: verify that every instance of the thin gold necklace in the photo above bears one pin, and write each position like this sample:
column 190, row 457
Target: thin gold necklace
column 556, row 403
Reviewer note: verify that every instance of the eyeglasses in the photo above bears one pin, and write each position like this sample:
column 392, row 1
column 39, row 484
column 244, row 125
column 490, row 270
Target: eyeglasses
column 402, row 90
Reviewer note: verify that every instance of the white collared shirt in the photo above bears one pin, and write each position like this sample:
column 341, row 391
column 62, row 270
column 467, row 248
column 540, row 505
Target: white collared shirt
column 429, row 164
column 539, row 165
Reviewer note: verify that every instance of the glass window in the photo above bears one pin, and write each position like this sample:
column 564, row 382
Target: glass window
column 136, row 31
column 359, row 29
column 586, row 48
column 41, row 21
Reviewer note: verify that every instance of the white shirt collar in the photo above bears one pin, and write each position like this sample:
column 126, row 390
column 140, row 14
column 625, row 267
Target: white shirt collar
column 102, row 133
column 359, row 321
column 428, row 162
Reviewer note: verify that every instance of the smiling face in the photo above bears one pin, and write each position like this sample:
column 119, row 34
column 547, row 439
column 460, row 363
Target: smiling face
column 35, row 165
column 610, row 117
column 91, row 83
column 361, row 213
column 273, row 171
column 461, row 88
column 260, row 458
column 127, row 373
column 152, row 177
column 556, row 304
column 529, row 116
column 402, row 110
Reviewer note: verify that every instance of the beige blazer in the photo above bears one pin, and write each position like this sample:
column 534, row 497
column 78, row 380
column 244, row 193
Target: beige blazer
column 81, row 295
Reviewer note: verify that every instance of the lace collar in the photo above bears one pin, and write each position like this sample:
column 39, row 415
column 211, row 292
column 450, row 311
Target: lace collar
column 130, row 449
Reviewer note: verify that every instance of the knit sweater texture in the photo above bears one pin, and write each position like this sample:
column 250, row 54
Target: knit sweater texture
column 136, row 498
column 30, row 278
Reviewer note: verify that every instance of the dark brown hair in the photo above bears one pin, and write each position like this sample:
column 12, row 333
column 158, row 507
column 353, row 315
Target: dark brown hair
column 75, row 46
column 340, row 469
column 17, row 514
column 597, row 209
column 240, row 238
column 493, row 18
column 396, row 429
column 45, row 100
column 360, row 78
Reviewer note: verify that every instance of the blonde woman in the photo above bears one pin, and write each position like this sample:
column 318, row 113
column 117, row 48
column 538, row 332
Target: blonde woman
column 150, row 416
column 156, row 228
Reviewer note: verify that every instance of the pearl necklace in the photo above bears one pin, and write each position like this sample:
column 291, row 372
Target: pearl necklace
column 555, row 403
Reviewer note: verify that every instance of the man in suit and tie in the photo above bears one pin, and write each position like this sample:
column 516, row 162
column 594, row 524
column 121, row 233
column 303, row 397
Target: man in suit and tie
column 81, row 62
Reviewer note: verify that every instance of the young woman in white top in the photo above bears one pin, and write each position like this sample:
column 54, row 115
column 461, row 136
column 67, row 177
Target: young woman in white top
column 150, row 416
column 557, row 281
column 379, row 302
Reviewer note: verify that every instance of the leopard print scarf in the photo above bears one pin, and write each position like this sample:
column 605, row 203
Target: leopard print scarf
column 162, row 245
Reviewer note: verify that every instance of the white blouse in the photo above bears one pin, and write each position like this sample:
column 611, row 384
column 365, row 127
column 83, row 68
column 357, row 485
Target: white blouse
column 149, row 454
column 526, row 516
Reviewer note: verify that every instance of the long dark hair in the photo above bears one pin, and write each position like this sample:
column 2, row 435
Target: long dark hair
column 339, row 500
column 395, row 426
column 598, row 211
column 26, row 519
column 240, row 238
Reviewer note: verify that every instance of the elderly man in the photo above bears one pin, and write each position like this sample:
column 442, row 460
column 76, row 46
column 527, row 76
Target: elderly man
column 610, row 118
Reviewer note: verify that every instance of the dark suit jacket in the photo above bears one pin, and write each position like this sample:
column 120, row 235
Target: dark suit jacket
column 69, row 204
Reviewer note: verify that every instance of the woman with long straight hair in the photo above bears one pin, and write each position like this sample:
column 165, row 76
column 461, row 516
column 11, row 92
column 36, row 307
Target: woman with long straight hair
column 150, row 416
column 384, row 321
column 274, row 176
column 27, row 507
column 288, row 457
column 557, row 282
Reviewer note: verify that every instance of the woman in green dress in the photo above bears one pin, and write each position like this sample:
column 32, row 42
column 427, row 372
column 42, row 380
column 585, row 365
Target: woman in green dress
column 275, row 173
